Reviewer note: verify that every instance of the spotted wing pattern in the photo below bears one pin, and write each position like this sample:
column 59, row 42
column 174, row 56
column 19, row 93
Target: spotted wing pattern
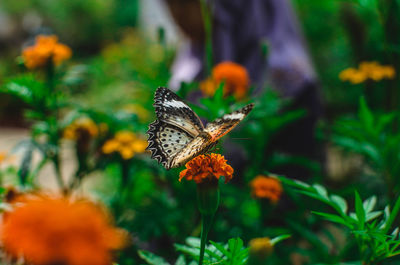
column 171, row 109
column 165, row 141
column 175, row 127
column 226, row 123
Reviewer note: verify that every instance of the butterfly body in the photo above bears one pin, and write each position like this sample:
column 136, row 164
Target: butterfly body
column 178, row 135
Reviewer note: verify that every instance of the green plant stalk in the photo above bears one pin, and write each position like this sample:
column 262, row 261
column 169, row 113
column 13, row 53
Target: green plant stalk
column 393, row 215
column 208, row 35
column 206, row 222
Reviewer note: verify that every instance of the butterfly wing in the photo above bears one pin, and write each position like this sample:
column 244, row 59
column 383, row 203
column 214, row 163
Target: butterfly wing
column 226, row 123
column 165, row 141
column 176, row 126
column 171, row 109
column 198, row 146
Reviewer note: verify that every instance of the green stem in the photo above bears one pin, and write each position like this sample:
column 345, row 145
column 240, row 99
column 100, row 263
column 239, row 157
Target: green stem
column 393, row 215
column 208, row 35
column 206, row 220
column 60, row 181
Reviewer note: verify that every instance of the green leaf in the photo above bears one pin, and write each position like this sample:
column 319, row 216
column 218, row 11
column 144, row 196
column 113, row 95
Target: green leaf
column 235, row 245
column 151, row 258
column 369, row 204
column 321, row 191
column 340, row 202
column 360, row 213
column 180, row 260
column 333, row 218
column 20, row 91
column 365, row 115
column 278, row 239
column 221, row 248
column 194, row 252
column 372, row 215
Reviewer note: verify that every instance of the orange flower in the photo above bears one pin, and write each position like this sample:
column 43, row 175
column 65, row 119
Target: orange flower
column 235, row 77
column 127, row 144
column 266, row 188
column 45, row 230
column 44, row 49
column 207, row 167
column 3, row 156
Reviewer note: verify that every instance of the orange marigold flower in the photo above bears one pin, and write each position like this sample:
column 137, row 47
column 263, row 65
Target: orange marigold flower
column 207, row 167
column 46, row 230
column 127, row 144
column 3, row 156
column 235, row 77
column 266, row 188
column 44, row 49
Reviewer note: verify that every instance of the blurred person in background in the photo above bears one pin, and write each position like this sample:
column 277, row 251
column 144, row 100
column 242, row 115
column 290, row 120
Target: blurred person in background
column 240, row 29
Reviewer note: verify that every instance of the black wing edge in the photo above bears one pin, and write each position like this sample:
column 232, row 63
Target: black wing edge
column 246, row 109
column 153, row 147
column 162, row 94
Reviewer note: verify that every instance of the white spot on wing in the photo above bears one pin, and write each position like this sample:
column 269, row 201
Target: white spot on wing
column 175, row 104
column 234, row 116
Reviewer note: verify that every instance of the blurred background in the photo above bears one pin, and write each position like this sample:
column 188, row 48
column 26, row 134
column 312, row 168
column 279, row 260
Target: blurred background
column 323, row 76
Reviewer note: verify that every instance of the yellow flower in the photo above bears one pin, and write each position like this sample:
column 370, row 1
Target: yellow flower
column 261, row 247
column 80, row 128
column 126, row 143
column 235, row 77
column 207, row 167
column 367, row 70
column 52, row 230
column 388, row 72
column 266, row 188
column 352, row 75
column 45, row 48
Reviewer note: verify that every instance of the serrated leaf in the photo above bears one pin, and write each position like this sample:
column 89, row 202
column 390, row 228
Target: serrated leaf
column 221, row 248
column 151, row 258
column 235, row 245
column 340, row 202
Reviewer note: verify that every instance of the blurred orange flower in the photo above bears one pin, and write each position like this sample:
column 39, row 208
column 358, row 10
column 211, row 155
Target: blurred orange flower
column 235, row 77
column 367, row 70
column 45, row 48
column 81, row 127
column 127, row 144
column 3, row 156
column 266, row 188
column 46, row 230
column 207, row 167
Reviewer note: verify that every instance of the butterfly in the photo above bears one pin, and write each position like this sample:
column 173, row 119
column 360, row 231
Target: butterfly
column 178, row 135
